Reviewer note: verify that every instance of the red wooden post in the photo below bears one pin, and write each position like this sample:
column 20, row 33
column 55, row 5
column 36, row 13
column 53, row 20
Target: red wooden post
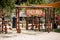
column 39, row 24
column 53, row 19
column 17, row 21
column 45, row 18
column 36, row 22
column 3, row 21
column 48, row 21
column 32, row 23
column 26, row 23
column 5, row 29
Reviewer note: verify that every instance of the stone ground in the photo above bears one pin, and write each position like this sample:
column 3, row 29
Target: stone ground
column 30, row 35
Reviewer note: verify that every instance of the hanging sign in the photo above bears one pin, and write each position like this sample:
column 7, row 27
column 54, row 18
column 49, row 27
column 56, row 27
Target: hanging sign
column 34, row 12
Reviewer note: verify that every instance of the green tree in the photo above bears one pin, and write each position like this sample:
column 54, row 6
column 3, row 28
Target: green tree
column 50, row 1
column 4, row 5
column 57, row 9
column 36, row 1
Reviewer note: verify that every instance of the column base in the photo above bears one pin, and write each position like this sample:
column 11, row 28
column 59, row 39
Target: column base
column 18, row 31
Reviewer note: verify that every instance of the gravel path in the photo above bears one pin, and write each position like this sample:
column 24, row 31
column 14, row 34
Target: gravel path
column 30, row 35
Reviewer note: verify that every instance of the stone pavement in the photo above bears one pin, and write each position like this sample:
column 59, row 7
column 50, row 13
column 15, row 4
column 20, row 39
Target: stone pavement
column 30, row 35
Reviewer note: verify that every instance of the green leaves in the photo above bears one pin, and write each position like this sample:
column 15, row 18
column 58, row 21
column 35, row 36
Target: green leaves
column 35, row 1
column 6, row 4
column 58, row 11
column 2, row 3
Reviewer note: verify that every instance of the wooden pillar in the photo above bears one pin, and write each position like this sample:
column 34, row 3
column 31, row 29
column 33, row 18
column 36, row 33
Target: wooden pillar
column 5, row 29
column 26, row 23
column 45, row 18
column 36, row 22
column 53, row 19
column 17, row 21
column 53, row 15
column 50, row 15
column 32, row 23
column 3, row 22
column 49, row 21
column 39, row 24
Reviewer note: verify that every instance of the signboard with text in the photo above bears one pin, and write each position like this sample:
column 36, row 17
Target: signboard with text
column 34, row 12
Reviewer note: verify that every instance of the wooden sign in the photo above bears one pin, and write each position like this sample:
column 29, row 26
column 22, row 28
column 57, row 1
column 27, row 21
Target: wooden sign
column 34, row 12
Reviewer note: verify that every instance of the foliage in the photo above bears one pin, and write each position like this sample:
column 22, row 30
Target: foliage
column 36, row 1
column 18, row 2
column 50, row 1
column 57, row 30
column 6, row 4
column 58, row 11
